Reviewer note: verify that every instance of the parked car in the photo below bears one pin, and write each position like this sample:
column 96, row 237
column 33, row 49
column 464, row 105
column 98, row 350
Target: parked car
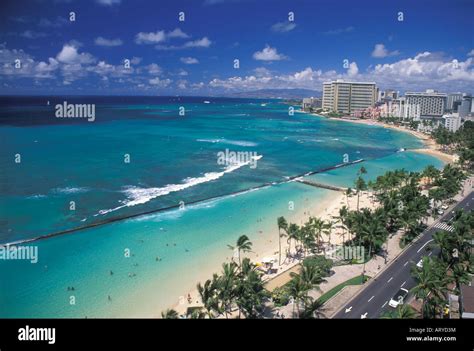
column 398, row 298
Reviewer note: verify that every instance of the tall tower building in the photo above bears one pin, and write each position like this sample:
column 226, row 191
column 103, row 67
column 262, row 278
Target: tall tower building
column 348, row 97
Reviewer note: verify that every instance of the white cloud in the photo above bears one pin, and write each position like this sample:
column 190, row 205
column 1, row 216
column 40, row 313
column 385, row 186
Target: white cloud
column 471, row 53
column 177, row 33
column 101, row 41
column 182, row 73
column 339, row 31
column 69, row 54
column 29, row 34
column 425, row 70
column 200, row 43
column 154, row 69
column 282, row 27
column 150, row 38
column 161, row 83
column 268, row 54
column 353, row 70
column 159, row 36
column 135, row 60
column 55, row 23
column 381, row 51
column 108, row 2
column 189, row 60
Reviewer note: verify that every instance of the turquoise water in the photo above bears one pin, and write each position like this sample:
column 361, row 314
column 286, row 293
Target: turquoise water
column 172, row 160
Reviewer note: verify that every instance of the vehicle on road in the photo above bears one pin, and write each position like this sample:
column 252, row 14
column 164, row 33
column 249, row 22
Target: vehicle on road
column 398, row 298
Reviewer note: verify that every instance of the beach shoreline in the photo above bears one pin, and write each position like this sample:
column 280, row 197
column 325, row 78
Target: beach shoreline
column 326, row 209
column 430, row 145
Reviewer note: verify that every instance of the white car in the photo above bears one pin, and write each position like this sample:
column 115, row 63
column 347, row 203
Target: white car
column 398, row 298
column 440, row 212
column 420, row 264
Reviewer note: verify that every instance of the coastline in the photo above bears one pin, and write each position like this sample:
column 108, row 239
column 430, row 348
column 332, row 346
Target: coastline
column 430, row 145
column 326, row 209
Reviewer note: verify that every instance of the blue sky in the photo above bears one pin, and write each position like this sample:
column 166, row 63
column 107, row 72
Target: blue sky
column 432, row 47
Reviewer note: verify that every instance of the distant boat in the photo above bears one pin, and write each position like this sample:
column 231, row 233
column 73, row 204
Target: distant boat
column 401, row 149
column 207, row 102
column 263, row 104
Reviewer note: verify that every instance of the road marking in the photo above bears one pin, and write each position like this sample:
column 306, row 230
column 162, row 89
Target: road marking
column 390, row 280
column 348, row 309
column 421, row 248
column 384, row 304
column 405, row 263
column 430, row 253
column 363, row 316
column 371, row 298
column 401, row 286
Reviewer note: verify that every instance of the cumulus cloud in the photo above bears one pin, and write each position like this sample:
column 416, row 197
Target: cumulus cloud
column 282, row 27
column 159, row 36
column 381, row 51
column 154, row 69
column 353, row 70
column 161, row 83
column 69, row 54
column 423, row 71
column 198, row 43
column 101, row 41
column 268, row 54
column 189, row 60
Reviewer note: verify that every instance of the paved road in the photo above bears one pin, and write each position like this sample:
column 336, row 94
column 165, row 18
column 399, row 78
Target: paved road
column 373, row 300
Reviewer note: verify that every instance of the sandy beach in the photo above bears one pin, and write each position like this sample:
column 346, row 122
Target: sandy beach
column 326, row 209
column 430, row 146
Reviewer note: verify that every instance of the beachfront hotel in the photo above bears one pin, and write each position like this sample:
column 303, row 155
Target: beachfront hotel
column 348, row 97
column 432, row 103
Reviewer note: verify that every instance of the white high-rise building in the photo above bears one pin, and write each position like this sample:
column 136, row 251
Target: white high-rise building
column 348, row 97
column 452, row 122
column 432, row 103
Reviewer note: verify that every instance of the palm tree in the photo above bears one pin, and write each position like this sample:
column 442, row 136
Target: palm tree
column 282, row 224
column 250, row 291
column 374, row 234
column 293, row 233
column 343, row 212
column 402, row 312
column 318, row 225
column 243, row 245
column 169, row 314
column 226, row 286
column 431, row 283
column 328, row 230
column 359, row 185
column 298, row 290
column 209, row 296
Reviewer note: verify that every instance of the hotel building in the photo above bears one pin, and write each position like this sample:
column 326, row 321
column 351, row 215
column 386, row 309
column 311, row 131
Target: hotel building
column 348, row 97
column 432, row 103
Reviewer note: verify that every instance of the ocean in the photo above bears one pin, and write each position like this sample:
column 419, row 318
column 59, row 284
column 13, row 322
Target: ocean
column 141, row 155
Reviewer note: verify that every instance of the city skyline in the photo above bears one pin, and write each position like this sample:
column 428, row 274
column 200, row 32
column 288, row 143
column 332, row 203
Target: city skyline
column 71, row 47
